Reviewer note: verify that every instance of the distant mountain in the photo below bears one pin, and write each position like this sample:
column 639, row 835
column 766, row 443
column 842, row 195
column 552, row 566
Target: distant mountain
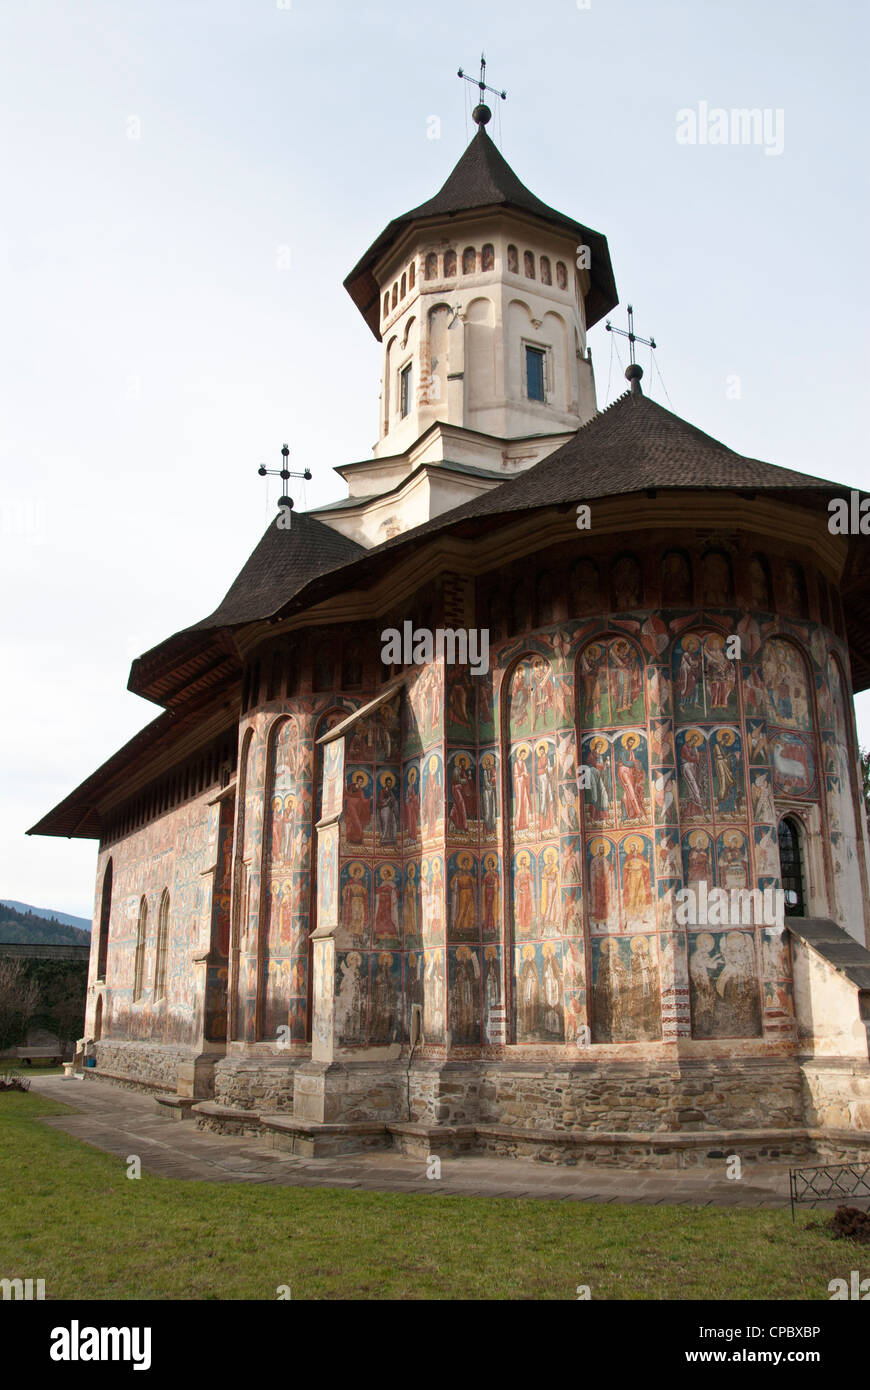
column 33, row 928
column 83, row 923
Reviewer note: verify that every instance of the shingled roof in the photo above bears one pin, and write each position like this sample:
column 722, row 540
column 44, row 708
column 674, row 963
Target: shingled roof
column 482, row 179
column 283, row 563
column 633, row 446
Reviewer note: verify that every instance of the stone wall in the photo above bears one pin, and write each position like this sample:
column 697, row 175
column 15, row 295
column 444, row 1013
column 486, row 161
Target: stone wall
column 256, row 1083
column 665, row 1096
column 142, row 1066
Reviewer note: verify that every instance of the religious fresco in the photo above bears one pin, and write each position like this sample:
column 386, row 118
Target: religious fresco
column 172, row 855
column 539, row 999
column 465, row 984
column 705, row 679
column 540, row 855
column 287, row 861
column 687, row 760
column 840, row 782
column 626, row 994
column 723, row 975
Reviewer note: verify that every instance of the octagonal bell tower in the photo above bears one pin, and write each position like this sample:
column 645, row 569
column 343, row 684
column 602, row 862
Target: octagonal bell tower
column 481, row 299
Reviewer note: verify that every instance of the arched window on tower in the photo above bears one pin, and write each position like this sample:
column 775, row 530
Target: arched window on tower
column 395, row 296
column 717, row 586
column 139, row 967
column 561, row 275
column 529, row 264
column 513, row 261
column 432, row 265
column 544, row 607
column 449, row 263
column 791, row 867
column 546, row 273
column 469, row 261
column 404, row 288
column 386, row 304
column 105, row 915
column 487, row 257
column 759, row 583
column 412, row 274
column 162, row 946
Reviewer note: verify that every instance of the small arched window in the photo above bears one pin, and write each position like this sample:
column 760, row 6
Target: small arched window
column 141, row 933
column 449, row 263
column 513, row 260
column 487, row 257
column 469, row 261
column 791, row 867
column 432, row 266
column 529, row 264
column 105, row 916
column 546, row 273
column 411, row 276
column 561, row 275
column 395, row 297
column 404, row 289
column 386, row 304
column 162, row 946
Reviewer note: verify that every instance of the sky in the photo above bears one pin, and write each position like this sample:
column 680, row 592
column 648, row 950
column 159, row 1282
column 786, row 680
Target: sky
column 185, row 187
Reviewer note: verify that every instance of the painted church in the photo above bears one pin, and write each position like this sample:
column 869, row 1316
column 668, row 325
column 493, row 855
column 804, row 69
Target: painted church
column 359, row 891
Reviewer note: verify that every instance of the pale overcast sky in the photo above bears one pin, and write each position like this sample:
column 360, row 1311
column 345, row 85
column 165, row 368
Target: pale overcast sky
column 162, row 162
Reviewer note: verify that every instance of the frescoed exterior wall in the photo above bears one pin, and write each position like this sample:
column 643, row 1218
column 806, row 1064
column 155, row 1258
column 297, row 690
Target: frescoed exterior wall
column 504, row 853
column 173, row 854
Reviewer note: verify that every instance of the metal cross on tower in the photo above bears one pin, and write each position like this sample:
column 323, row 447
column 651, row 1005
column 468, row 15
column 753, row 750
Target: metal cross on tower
column 283, row 473
column 630, row 335
column 481, row 113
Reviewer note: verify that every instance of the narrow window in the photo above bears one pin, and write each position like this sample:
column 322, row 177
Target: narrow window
column 404, row 288
column 395, row 298
column 105, row 917
column 386, row 304
column 487, row 257
column 449, row 262
column 561, row 275
column 405, row 390
column 412, row 274
column 535, row 374
column 791, row 867
column 529, row 264
column 546, row 275
column 432, row 266
column 513, row 260
column 139, row 969
column 469, row 261
column 162, row 943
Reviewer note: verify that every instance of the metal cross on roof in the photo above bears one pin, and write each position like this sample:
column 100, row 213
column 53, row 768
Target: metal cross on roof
column 283, row 473
column 630, row 335
column 481, row 113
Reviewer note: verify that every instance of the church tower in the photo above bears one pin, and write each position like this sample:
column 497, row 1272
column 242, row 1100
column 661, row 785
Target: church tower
column 481, row 299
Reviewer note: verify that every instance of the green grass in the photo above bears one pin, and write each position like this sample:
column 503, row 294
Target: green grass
column 73, row 1218
column 37, row 1065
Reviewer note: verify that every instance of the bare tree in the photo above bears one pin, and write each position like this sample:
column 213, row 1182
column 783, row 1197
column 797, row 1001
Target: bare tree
column 19, row 1000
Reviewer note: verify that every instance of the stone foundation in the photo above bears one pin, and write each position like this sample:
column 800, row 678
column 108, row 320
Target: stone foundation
column 142, row 1066
column 836, row 1093
column 256, row 1083
column 621, row 1097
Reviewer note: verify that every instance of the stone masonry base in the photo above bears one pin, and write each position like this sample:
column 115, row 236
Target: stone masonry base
column 673, row 1113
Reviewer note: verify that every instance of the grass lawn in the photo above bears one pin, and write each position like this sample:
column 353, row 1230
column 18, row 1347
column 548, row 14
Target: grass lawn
column 37, row 1065
column 73, row 1218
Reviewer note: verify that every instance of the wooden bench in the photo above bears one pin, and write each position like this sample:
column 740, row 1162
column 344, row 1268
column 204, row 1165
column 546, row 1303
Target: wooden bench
column 27, row 1054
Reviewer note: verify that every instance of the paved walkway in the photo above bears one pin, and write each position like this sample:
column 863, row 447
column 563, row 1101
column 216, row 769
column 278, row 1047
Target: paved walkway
column 125, row 1122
